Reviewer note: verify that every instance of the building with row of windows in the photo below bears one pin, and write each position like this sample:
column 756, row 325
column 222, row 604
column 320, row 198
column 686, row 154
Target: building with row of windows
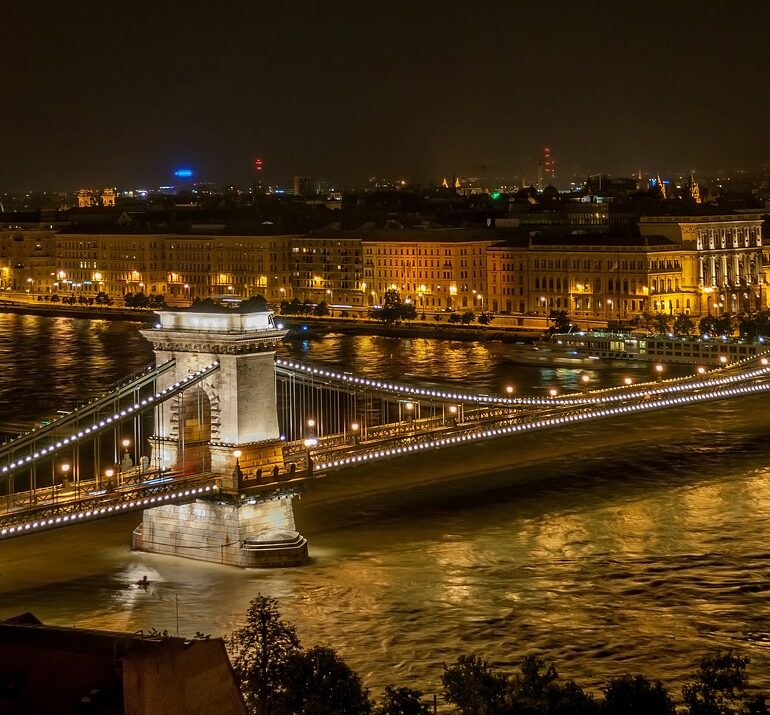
column 691, row 264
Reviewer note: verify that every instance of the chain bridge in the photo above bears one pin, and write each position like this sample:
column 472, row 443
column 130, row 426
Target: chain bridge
column 213, row 442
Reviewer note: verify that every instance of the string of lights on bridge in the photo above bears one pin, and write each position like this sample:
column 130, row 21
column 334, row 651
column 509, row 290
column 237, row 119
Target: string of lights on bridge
column 30, row 459
column 552, row 422
column 672, row 385
column 106, row 510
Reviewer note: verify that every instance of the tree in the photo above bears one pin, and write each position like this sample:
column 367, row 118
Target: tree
column 646, row 320
column 103, row 299
column 708, row 325
column 473, row 687
column 569, row 699
column 401, row 701
column 683, row 324
column 724, row 324
column 535, row 690
column 635, row 695
column 560, row 320
column 660, row 323
column 254, row 304
column 157, row 301
column 319, row 682
column 260, row 652
column 321, row 309
column 719, row 686
column 455, row 318
column 467, row 317
column 393, row 311
column 529, row 687
column 486, row 318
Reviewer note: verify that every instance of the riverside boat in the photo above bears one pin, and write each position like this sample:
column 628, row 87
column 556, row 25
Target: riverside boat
column 602, row 348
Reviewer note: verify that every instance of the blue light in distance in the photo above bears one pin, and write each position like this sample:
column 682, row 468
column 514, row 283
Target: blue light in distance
column 183, row 173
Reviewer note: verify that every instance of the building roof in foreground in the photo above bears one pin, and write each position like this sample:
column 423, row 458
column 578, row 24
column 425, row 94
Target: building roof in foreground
column 71, row 671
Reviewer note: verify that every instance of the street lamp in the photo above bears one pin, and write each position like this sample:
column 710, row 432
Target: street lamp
column 453, row 412
column 309, row 443
column 553, row 392
column 659, row 371
column 585, row 378
column 509, row 389
column 65, row 468
column 354, row 427
column 125, row 463
column 409, row 413
column 628, row 381
column 109, row 473
column 237, row 473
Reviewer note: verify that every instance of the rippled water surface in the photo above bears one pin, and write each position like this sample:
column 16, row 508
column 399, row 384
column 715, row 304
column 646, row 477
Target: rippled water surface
column 636, row 544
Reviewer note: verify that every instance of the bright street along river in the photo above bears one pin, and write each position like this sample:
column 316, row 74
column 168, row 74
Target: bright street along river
column 633, row 544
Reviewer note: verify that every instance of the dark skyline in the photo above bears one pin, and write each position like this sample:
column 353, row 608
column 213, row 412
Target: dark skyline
column 101, row 94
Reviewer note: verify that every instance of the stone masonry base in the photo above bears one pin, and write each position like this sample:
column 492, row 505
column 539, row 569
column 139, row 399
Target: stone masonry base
column 248, row 535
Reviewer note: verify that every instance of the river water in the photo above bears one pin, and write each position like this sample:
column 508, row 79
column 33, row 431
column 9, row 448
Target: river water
column 636, row 545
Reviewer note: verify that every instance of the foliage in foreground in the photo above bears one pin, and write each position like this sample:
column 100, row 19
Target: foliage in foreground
column 279, row 677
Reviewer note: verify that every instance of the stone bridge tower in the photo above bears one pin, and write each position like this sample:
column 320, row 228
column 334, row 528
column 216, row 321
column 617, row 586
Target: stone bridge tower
column 236, row 405
column 199, row 431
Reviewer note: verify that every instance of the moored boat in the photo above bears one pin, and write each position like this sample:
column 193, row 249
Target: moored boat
column 597, row 348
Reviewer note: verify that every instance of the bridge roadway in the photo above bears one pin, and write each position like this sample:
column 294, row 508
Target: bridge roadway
column 483, row 424
column 54, row 507
column 25, row 451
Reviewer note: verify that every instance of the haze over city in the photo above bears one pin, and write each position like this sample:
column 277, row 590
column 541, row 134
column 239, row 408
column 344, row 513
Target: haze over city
column 122, row 94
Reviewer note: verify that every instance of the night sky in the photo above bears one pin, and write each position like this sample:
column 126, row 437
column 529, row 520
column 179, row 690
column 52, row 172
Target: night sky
column 121, row 93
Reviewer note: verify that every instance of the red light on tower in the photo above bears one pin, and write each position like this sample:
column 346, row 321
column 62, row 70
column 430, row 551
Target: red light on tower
column 259, row 164
column 549, row 165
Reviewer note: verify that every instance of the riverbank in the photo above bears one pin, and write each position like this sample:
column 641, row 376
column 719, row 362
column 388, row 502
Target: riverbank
column 307, row 326
column 300, row 325
column 89, row 312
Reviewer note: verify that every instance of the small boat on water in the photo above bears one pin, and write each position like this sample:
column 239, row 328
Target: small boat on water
column 596, row 349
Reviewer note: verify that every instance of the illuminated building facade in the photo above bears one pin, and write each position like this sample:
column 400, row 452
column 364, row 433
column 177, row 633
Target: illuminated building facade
column 327, row 268
column 444, row 269
column 724, row 268
column 691, row 264
column 598, row 276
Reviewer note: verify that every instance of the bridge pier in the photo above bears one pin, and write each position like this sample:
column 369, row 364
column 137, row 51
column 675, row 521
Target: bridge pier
column 232, row 412
column 246, row 535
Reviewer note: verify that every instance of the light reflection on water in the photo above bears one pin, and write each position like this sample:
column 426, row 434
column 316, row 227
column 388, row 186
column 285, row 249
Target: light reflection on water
column 632, row 545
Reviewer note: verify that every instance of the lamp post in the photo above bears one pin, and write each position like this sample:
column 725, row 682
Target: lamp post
column 237, row 473
column 65, row 468
column 309, row 443
column 659, row 371
column 585, row 378
column 409, row 414
column 108, row 473
column 126, row 462
column 354, row 428
column 453, row 412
